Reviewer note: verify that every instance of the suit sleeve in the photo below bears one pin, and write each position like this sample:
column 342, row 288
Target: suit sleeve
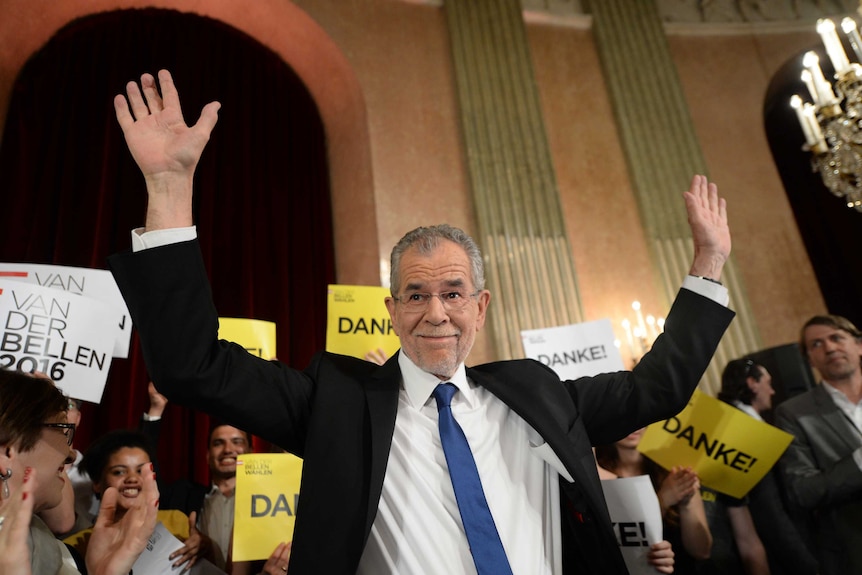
column 168, row 294
column 661, row 384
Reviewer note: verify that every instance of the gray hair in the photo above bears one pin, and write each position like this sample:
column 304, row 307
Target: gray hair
column 426, row 240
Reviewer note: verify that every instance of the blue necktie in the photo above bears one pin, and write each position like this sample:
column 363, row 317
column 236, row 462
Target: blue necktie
column 485, row 545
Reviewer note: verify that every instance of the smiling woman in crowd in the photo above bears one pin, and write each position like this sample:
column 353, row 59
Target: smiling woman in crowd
column 35, row 444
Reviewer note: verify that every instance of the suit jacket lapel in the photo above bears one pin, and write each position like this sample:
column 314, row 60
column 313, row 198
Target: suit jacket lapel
column 835, row 418
column 382, row 396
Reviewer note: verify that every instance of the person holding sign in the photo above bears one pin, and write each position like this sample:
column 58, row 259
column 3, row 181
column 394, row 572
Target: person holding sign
column 213, row 504
column 748, row 386
column 678, row 491
column 823, row 465
column 381, row 490
column 35, row 443
column 118, row 460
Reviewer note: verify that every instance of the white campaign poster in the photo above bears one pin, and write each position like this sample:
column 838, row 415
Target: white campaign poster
column 576, row 350
column 93, row 283
column 66, row 336
column 155, row 558
column 636, row 518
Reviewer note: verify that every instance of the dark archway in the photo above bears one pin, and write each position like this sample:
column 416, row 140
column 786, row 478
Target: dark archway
column 71, row 192
column 830, row 230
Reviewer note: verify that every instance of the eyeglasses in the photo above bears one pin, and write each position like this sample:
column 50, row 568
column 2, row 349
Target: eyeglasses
column 68, row 429
column 452, row 300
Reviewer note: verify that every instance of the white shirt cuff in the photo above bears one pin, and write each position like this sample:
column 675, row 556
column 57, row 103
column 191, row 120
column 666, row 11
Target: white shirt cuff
column 714, row 291
column 146, row 240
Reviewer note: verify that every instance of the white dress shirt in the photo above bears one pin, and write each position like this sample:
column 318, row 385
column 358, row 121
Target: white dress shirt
column 747, row 409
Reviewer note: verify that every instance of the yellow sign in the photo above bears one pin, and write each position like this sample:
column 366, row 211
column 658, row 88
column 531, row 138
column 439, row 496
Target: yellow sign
column 358, row 322
column 730, row 450
column 256, row 336
column 267, row 493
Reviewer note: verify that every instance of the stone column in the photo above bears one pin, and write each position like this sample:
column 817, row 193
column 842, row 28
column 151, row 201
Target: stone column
column 527, row 254
column 662, row 152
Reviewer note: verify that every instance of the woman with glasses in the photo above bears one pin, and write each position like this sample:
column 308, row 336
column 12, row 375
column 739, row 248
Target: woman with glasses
column 35, row 444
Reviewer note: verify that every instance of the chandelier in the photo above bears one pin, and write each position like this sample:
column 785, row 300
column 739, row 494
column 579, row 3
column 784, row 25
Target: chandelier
column 832, row 124
column 640, row 333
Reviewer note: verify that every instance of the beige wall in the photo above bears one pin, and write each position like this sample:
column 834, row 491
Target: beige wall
column 387, row 96
column 611, row 254
column 724, row 77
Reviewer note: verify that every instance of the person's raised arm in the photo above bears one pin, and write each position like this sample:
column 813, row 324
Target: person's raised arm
column 164, row 147
column 707, row 218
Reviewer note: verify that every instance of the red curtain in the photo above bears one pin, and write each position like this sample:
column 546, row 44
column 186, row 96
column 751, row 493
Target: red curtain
column 71, row 193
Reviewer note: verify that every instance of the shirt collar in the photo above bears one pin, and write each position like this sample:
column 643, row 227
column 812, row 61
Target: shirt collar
column 215, row 490
column 838, row 396
column 420, row 384
column 748, row 409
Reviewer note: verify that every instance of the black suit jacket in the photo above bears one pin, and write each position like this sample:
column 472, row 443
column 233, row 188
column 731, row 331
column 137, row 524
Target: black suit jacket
column 788, row 551
column 823, row 478
column 185, row 495
column 339, row 413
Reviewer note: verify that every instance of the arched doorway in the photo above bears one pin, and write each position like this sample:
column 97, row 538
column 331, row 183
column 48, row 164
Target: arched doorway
column 263, row 204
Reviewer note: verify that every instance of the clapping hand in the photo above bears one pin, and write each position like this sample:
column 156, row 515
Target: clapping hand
column 16, row 511
column 678, row 487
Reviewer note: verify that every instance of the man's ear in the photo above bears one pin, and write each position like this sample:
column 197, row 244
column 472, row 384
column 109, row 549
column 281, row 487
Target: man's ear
column 483, row 299
column 750, row 382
